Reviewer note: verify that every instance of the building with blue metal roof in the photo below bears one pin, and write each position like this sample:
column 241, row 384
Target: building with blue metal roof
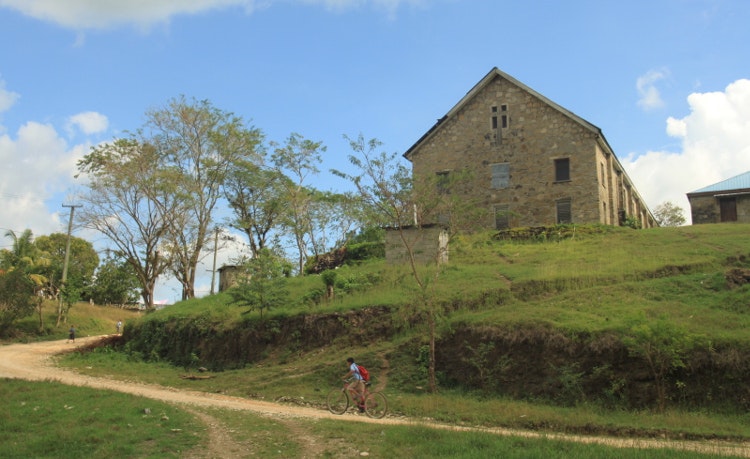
column 725, row 201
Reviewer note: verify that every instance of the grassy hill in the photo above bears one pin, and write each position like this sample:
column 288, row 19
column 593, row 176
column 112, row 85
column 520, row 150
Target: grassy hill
column 586, row 317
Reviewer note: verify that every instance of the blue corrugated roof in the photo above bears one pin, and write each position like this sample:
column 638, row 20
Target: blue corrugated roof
column 738, row 182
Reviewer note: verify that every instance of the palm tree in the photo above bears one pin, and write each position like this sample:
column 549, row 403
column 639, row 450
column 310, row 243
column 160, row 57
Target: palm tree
column 25, row 256
column 22, row 253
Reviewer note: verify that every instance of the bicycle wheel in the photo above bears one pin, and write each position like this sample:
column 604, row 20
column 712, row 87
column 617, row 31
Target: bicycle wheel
column 337, row 401
column 376, row 405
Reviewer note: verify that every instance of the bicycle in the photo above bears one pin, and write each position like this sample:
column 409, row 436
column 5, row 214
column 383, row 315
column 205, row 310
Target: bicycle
column 339, row 400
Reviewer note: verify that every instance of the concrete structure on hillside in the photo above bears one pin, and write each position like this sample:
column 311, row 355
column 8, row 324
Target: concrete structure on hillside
column 428, row 244
column 725, row 201
column 532, row 162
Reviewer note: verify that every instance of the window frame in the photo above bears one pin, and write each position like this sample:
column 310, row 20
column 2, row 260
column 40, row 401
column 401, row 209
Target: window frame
column 501, row 213
column 558, row 162
column 560, row 211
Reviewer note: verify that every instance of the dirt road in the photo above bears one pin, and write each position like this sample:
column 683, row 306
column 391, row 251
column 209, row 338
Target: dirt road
column 33, row 362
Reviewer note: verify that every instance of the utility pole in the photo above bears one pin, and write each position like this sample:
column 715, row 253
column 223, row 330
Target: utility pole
column 216, row 246
column 65, row 263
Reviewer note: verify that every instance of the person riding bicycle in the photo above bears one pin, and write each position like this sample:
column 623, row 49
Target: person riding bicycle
column 357, row 387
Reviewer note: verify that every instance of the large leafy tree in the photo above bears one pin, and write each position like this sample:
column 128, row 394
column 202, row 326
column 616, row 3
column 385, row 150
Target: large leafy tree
column 334, row 217
column 132, row 202
column 298, row 159
column 669, row 214
column 27, row 261
column 256, row 197
column 116, row 282
column 82, row 263
column 197, row 144
column 16, row 298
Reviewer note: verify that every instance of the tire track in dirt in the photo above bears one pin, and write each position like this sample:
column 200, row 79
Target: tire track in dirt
column 34, row 362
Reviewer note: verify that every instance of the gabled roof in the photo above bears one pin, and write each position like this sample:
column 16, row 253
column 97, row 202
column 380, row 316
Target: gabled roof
column 495, row 72
column 738, row 182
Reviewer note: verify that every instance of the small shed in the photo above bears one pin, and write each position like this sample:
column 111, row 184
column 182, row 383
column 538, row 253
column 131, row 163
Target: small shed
column 725, row 201
column 428, row 243
column 228, row 276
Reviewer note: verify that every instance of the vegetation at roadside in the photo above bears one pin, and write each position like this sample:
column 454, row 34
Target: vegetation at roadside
column 88, row 319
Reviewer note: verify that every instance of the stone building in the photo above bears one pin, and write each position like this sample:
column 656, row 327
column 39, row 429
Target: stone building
column 531, row 161
column 725, row 201
column 228, row 275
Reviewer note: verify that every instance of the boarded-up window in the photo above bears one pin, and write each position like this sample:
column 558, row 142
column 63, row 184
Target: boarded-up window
column 564, row 214
column 500, row 176
column 562, row 170
column 502, row 216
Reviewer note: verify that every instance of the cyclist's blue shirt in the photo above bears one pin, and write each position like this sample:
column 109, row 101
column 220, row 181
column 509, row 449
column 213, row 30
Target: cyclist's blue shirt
column 353, row 367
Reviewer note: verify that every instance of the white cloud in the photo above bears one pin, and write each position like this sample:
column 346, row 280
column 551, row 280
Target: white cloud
column 7, row 98
column 649, row 95
column 37, row 169
column 96, row 14
column 715, row 145
column 89, row 122
column 37, row 164
column 101, row 14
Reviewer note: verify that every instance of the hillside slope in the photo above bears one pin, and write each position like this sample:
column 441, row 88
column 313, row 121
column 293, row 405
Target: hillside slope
column 615, row 316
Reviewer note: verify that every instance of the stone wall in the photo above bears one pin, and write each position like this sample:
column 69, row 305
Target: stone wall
column 705, row 208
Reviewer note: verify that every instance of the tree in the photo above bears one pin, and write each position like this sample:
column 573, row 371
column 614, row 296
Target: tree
column 298, row 159
column 27, row 259
column 197, row 144
column 333, row 218
column 82, row 263
column 392, row 199
column 16, row 298
column 668, row 214
column 116, row 282
column 132, row 203
column 22, row 252
column 262, row 285
column 663, row 346
column 256, row 197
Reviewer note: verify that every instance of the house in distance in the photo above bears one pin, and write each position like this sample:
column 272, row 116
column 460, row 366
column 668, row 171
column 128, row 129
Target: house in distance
column 725, row 201
column 530, row 161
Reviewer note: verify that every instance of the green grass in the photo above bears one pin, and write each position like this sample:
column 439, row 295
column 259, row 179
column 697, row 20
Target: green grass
column 603, row 280
column 89, row 320
column 50, row 420
column 307, row 379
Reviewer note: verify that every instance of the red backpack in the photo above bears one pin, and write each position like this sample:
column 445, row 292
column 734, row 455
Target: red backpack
column 364, row 373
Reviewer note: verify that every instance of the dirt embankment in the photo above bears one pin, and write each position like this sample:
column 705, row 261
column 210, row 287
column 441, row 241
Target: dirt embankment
column 33, row 362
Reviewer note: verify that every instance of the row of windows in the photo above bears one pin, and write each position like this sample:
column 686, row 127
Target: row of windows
column 500, row 173
column 563, row 213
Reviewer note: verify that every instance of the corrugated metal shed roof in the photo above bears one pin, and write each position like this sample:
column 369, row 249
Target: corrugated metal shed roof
column 738, row 182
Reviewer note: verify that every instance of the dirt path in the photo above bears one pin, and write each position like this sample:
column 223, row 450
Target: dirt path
column 33, row 362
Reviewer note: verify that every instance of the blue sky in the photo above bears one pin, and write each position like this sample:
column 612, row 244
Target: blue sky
column 667, row 81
